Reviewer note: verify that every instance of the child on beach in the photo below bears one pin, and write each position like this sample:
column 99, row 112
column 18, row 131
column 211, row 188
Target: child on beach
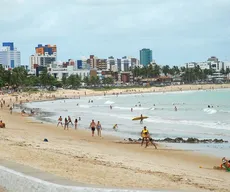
column 59, row 121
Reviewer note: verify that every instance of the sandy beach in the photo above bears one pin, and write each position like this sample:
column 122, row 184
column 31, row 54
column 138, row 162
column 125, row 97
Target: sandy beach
column 77, row 156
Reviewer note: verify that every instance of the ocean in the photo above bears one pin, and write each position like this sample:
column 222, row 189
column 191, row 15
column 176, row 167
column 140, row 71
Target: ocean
column 193, row 117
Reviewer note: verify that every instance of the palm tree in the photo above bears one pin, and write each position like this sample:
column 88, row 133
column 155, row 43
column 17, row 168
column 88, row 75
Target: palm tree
column 166, row 70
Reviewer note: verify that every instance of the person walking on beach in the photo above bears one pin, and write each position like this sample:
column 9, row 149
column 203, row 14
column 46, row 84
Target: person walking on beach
column 60, row 121
column 66, row 124
column 69, row 120
column 99, row 128
column 145, row 136
column 75, row 123
column 92, row 126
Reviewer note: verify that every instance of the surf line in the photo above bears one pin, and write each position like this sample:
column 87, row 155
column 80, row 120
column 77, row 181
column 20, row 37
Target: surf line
column 9, row 172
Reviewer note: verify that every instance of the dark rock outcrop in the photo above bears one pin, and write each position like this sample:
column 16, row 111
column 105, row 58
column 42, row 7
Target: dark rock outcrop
column 180, row 140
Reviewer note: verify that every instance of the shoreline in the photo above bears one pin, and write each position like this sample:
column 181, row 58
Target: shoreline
column 77, row 156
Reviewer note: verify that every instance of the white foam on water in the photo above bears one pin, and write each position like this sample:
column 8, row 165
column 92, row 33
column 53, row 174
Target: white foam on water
column 210, row 111
column 84, row 106
column 109, row 102
column 19, row 182
column 213, row 125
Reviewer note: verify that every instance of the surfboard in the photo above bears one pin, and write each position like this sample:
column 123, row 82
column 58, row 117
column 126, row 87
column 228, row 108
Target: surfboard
column 139, row 118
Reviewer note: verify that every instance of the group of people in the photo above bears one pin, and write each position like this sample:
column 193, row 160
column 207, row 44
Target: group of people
column 67, row 121
column 93, row 126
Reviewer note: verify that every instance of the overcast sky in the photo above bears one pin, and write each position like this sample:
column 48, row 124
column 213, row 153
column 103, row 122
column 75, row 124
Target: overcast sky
column 177, row 31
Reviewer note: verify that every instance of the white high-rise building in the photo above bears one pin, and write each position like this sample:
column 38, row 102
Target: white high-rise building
column 10, row 57
column 41, row 60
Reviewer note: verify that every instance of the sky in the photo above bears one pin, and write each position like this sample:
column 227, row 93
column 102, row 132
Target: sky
column 177, row 31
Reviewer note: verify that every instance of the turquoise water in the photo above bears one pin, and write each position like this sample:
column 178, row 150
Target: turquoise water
column 192, row 119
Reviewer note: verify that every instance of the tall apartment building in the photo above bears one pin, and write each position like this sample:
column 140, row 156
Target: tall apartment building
column 146, row 56
column 47, row 49
column 10, row 57
column 44, row 55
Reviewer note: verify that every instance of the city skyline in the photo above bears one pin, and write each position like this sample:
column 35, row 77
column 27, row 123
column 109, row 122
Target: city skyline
column 177, row 32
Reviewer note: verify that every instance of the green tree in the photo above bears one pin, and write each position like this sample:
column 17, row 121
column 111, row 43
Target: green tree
column 64, row 80
column 93, row 80
column 86, row 80
column 19, row 75
column 74, row 81
column 166, row 70
column 156, row 71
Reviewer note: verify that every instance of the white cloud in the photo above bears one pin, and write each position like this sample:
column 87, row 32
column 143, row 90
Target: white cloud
column 153, row 23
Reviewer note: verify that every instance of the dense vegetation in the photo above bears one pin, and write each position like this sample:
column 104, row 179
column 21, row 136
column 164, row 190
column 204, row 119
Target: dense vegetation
column 19, row 76
column 187, row 75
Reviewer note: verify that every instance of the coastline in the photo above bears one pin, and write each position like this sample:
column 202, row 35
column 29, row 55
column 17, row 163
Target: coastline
column 77, row 156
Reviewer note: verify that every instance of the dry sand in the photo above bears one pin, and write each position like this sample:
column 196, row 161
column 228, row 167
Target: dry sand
column 77, row 156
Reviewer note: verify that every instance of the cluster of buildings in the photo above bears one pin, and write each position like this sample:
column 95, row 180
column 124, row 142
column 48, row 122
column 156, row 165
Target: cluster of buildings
column 45, row 56
column 211, row 63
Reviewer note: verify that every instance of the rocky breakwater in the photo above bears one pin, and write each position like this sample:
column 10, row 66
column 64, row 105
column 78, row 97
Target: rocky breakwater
column 179, row 140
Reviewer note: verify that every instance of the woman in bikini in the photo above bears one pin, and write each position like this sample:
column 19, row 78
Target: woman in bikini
column 99, row 128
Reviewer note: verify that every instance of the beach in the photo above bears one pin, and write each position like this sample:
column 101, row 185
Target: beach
column 77, row 156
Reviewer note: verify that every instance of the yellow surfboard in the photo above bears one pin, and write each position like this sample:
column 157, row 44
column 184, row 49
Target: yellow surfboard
column 139, row 118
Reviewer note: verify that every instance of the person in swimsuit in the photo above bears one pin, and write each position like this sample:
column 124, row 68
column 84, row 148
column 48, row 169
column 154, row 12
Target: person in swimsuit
column 145, row 136
column 92, row 126
column 99, row 128
column 66, row 125
column 75, row 123
column 59, row 121
column 69, row 120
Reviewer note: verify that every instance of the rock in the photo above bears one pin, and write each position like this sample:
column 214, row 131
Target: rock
column 192, row 140
column 218, row 141
column 169, row 140
column 179, row 140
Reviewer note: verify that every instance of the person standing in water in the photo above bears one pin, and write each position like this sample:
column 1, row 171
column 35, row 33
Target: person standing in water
column 141, row 121
column 59, row 121
column 92, row 126
column 69, row 120
column 66, row 124
column 75, row 124
column 99, row 128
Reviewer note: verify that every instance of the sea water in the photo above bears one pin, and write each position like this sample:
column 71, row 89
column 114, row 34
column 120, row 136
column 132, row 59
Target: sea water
column 193, row 117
